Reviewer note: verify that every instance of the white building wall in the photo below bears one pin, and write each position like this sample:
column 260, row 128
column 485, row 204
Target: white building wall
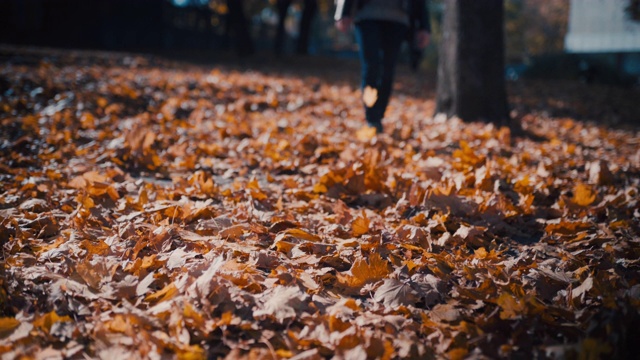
column 597, row 26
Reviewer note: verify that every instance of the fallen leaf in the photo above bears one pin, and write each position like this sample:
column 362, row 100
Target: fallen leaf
column 360, row 225
column 7, row 326
column 583, row 195
column 581, row 290
column 512, row 308
column 393, row 293
column 363, row 272
column 45, row 322
column 164, row 294
column 370, row 96
column 283, row 303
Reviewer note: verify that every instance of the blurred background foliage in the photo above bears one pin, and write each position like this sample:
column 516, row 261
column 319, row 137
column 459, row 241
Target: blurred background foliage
column 534, row 29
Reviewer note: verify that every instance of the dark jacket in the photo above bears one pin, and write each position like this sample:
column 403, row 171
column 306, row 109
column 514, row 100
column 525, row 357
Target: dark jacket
column 417, row 10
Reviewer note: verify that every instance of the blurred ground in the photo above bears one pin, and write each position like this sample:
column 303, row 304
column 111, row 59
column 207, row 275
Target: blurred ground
column 605, row 105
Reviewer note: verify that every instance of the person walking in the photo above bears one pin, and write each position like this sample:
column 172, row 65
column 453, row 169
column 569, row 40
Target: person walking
column 380, row 28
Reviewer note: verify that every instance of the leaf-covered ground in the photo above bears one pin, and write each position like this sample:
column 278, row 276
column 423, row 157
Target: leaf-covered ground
column 151, row 209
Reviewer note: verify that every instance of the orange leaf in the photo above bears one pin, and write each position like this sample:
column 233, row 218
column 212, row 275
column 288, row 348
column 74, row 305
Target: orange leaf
column 46, row 321
column 511, row 307
column 303, row 235
column 481, row 253
column 118, row 324
column 363, row 272
column 583, row 195
column 193, row 315
column 360, row 225
column 95, row 248
column 568, row 227
column 192, row 352
column 94, row 176
column 7, row 325
column 458, row 354
column 166, row 293
column 366, row 133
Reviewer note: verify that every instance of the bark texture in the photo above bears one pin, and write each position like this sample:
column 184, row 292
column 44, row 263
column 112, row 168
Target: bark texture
column 471, row 82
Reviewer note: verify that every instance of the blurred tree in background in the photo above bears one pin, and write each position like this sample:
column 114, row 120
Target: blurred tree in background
column 633, row 9
column 535, row 27
column 532, row 27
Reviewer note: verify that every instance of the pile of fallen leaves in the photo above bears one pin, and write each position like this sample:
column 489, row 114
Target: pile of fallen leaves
column 152, row 209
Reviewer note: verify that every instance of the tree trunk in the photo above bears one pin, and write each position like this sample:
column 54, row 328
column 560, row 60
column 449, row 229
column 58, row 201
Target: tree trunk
column 471, row 82
column 237, row 23
column 283, row 8
column 310, row 9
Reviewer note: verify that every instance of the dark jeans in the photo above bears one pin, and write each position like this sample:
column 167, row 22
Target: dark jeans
column 379, row 43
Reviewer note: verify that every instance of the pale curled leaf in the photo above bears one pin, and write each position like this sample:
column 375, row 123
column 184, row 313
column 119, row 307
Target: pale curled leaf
column 282, row 303
column 579, row 291
column 370, row 96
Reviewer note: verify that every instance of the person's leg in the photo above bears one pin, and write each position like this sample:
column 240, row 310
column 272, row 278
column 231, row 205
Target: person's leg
column 368, row 36
column 390, row 42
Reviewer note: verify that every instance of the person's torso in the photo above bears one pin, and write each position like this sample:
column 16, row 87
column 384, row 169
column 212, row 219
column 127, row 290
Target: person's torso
column 388, row 10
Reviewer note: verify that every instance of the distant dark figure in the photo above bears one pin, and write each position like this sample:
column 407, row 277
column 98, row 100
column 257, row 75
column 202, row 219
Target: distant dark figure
column 380, row 28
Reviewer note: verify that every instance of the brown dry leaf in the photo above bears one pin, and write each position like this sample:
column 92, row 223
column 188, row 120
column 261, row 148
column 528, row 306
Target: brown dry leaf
column 363, row 271
column 394, row 293
column 428, row 288
column 512, row 308
column 444, row 312
column 95, row 247
column 360, row 225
